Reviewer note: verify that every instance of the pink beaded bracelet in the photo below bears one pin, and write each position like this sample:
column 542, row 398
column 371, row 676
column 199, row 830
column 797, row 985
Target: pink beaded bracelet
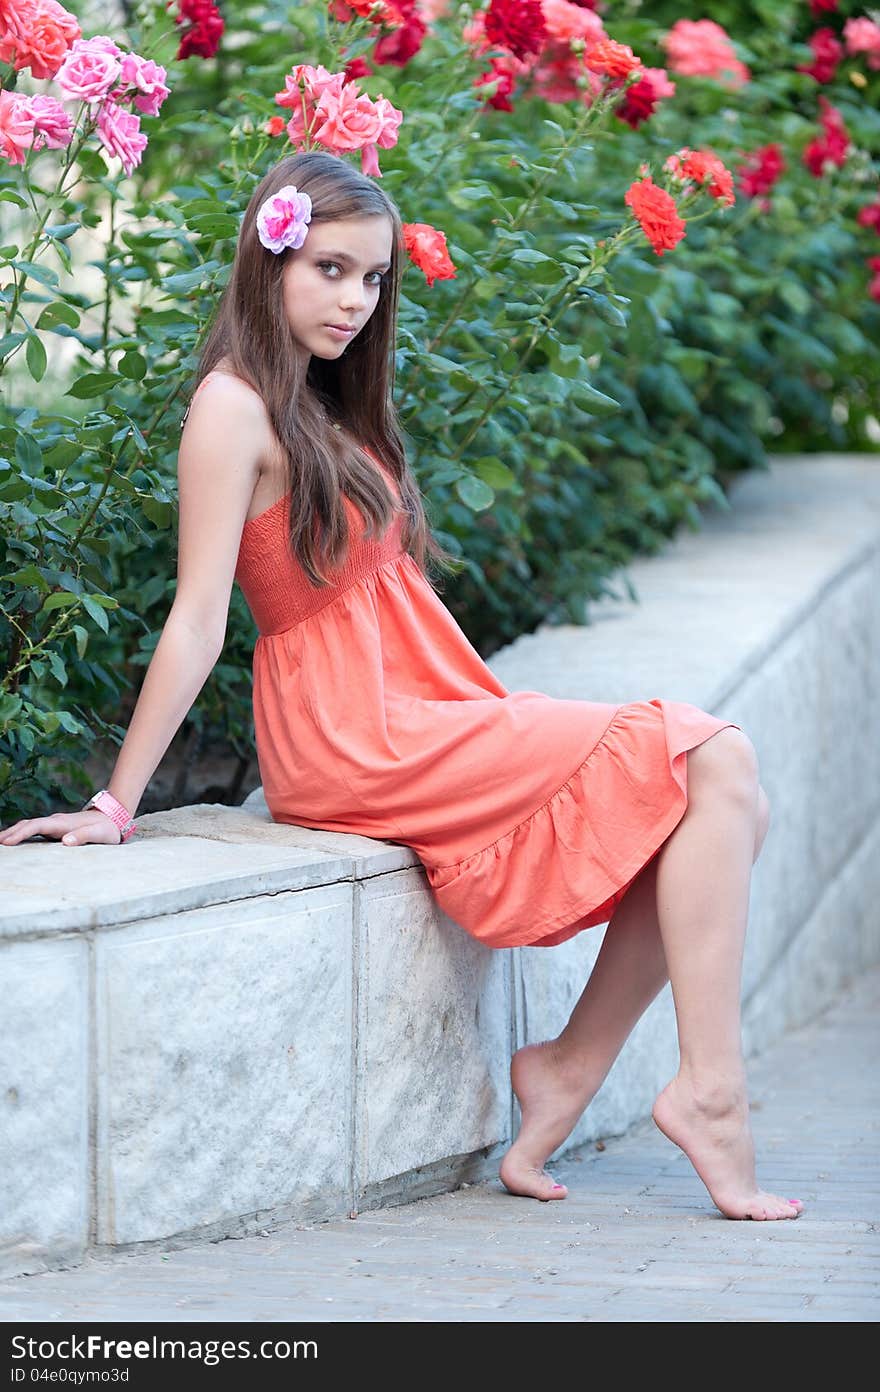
column 107, row 803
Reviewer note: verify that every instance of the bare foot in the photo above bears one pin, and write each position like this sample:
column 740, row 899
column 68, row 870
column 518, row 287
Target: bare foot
column 552, row 1094
column 717, row 1139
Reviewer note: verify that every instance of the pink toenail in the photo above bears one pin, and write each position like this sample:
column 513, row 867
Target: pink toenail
column 558, row 1186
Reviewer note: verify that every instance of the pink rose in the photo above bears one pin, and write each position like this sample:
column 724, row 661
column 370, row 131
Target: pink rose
column 89, row 71
column 566, row 21
column 303, row 86
column 702, row 48
column 16, row 127
column 347, row 120
column 98, row 43
column 304, row 79
column 53, row 126
column 863, row 36
column 148, row 80
column 120, row 133
column 390, row 119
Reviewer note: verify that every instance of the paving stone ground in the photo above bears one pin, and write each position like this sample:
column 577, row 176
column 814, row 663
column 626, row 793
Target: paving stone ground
column 637, row 1240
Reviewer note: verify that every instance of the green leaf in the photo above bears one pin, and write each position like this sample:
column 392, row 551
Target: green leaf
column 465, row 195
column 133, row 365
column 10, row 341
column 496, row 474
column 215, row 225
column 182, row 281
column 529, row 256
column 591, row 399
column 94, row 384
column 82, row 639
column 35, row 354
column 97, row 613
column 60, row 231
column 517, row 310
column 28, row 575
column 795, row 296
column 474, row 493
column 438, row 361
column 59, row 599
column 607, row 311
column 28, row 452
column 59, row 671
column 61, row 453
column 159, row 513
column 44, row 274
column 10, row 707
column 10, row 196
column 487, row 286
column 58, row 313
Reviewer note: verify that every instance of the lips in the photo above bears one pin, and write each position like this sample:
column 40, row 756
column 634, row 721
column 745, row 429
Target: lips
column 346, row 328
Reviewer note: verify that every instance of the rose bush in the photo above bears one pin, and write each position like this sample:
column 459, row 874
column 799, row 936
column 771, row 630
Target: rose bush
column 604, row 316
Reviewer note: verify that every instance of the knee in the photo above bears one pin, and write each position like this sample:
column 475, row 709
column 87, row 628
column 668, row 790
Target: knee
column 726, row 762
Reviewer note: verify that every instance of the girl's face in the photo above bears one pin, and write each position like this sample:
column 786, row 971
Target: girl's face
column 333, row 279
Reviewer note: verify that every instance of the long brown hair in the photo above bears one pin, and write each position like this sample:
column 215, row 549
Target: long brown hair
column 251, row 331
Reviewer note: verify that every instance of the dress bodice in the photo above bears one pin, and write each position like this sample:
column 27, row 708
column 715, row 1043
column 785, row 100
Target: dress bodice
column 278, row 592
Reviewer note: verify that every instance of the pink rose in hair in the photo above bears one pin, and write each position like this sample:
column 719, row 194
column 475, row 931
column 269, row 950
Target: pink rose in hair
column 120, row 133
column 283, row 219
column 88, row 72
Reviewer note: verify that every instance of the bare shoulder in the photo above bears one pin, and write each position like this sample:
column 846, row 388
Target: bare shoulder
column 224, row 392
column 219, row 465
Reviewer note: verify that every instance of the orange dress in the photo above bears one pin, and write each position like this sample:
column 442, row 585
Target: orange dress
column 374, row 714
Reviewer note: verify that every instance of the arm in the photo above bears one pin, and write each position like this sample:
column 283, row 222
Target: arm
column 218, row 467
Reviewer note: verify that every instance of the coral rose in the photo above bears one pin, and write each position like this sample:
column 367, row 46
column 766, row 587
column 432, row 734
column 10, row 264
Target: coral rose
column 426, row 247
column 36, row 34
column 656, row 213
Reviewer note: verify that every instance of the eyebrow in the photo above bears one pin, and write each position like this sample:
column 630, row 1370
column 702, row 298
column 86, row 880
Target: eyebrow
column 344, row 256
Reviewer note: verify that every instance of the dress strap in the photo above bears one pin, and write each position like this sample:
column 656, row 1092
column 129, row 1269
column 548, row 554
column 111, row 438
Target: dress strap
column 190, row 402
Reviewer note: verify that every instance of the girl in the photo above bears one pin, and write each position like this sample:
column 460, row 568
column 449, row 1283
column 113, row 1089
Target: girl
column 534, row 817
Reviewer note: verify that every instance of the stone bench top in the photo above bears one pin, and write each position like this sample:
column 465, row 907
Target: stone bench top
column 710, row 609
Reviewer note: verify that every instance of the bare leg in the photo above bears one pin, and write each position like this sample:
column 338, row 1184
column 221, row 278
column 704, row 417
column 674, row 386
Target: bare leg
column 703, row 881
column 556, row 1080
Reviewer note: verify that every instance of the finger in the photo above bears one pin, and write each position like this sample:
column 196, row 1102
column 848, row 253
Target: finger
column 34, row 826
column 20, row 830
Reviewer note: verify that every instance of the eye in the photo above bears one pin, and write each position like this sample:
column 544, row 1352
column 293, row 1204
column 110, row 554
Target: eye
column 382, row 275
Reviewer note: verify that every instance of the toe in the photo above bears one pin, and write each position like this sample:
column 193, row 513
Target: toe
column 548, row 1187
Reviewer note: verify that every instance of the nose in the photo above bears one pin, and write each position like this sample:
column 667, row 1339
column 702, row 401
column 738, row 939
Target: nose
column 352, row 300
